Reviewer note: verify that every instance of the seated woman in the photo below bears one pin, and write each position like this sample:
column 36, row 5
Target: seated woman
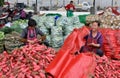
column 30, row 33
column 94, row 40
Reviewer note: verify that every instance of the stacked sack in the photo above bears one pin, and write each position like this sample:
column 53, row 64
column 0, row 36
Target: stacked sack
column 109, row 42
column 117, row 36
column 57, row 32
column 108, row 19
column 56, row 36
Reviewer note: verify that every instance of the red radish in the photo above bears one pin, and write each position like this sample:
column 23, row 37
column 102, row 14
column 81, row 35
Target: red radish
column 22, row 62
column 107, row 68
column 42, row 75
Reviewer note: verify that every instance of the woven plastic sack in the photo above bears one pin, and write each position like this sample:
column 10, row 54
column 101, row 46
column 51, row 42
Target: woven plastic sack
column 48, row 38
column 53, row 14
column 82, row 18
column 117, row 52
column 69, row 13
column 75, row 20
column 62, row 21
column 44, row 30
column 78, row 69
column 65, row 57
column 36, row 18
column 109, row 42
column 49, row 22
column 68, row 29
column 57, row 36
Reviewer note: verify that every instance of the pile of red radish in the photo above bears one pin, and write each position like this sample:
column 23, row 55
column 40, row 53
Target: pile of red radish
column 26, row 62
column 107, row 68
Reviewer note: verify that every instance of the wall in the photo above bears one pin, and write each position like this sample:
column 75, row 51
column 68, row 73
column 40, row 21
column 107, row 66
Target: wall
column 101, row 3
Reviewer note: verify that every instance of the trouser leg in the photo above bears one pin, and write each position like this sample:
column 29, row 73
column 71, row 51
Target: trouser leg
column 46, row 43
column 99, row 52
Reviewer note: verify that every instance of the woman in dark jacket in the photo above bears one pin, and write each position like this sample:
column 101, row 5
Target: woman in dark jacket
column 94, row 40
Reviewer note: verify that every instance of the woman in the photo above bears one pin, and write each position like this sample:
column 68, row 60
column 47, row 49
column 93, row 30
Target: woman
column 94, row 40
column 29, row 34
column 23, row 14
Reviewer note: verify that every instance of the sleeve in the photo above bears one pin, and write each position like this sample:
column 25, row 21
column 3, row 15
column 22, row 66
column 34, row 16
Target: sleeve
column 67, row 7
column 24, row 34
column 86, row 37
column 73, row 7
column 100, row 40
column 39, row 32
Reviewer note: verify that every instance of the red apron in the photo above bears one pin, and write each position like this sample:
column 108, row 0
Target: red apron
column 31, row 34
column 90, row 39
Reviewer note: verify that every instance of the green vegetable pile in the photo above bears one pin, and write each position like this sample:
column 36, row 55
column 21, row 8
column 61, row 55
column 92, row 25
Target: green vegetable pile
column 2, row 35
column 1, row 41
column 56, row 32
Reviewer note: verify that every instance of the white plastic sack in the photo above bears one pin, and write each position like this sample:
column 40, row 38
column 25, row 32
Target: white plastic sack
column 57, row 36
column 49, row 22
column 44, row 30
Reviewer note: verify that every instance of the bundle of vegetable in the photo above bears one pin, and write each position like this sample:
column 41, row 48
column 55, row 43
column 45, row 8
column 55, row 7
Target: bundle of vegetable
column 12, row 41
column 26, row 62
column 107, row 68
column 57, row 36
column 1, row 35
column 16, row 27
column 1, row 41
column 20, row 23
column 6, row 30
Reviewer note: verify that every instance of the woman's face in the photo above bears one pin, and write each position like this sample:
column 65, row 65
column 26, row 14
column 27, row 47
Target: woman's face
column 30, row 27
column 94, row 26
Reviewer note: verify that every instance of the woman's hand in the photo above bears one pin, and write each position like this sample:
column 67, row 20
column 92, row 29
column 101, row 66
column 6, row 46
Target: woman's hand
column 94, row 45
column 91, row 44
column 40, row 40
column 31, row 41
